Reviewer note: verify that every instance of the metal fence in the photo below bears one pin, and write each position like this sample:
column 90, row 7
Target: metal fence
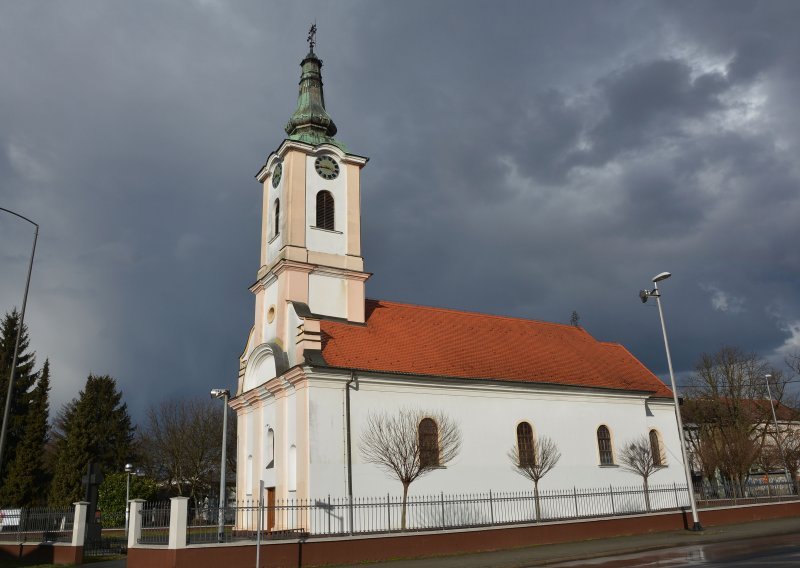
column 155, row 522
column 338, row 516
column 758, row 490
column 36, row 524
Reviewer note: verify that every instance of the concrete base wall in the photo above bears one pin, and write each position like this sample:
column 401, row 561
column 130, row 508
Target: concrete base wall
column 42, row 553
column 346, row 550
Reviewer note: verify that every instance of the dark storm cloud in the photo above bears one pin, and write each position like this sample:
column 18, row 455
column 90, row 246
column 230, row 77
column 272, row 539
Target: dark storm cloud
column 531, row 159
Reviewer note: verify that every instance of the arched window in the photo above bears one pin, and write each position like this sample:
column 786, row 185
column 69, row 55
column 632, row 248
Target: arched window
column 604, row 446
column 277, row 217
column 325, row 210
column 655, row 448
column 525, row 445
column 292, row 468
column 270, row 448
column 428, row 443
column 248, row 476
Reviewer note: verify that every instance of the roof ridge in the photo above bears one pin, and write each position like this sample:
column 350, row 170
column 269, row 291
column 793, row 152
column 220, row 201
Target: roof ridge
column 483, row 314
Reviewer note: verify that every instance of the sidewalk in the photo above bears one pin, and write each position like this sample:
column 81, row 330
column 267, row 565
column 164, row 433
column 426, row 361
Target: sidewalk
column 551, row 553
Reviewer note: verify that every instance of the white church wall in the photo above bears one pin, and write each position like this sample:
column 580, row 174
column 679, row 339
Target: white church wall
column 327, row 295
column 290, row 424
column 488, row 415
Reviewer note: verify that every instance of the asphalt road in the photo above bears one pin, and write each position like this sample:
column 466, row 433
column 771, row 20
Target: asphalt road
column 762, row 552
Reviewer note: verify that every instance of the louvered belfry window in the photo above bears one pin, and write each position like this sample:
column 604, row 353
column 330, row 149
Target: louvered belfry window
column 525, row 445
column 428, row 443
column 604, row 445
column 277, row 216
column 325, row 210
column 655, row 448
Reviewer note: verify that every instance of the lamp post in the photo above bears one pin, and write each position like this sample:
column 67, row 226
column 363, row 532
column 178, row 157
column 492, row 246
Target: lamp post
column 654, row 293
column 129, row 470
column 224, row 394
column 767, row 377
column 19, row 335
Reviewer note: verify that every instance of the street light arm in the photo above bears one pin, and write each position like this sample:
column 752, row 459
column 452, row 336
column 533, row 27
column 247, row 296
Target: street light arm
column 23, row 217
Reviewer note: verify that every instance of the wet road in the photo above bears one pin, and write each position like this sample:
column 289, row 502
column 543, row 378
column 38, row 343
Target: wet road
column 766, row 552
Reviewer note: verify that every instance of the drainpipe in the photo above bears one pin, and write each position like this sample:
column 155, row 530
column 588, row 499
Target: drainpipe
column 350, row 381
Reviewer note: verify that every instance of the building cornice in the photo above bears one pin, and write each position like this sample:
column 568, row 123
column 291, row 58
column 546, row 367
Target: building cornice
column 288, row 145
column 338, row 374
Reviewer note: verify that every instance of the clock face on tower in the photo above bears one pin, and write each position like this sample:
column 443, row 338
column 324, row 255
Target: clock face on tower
column 276, row 175
column 326, row 167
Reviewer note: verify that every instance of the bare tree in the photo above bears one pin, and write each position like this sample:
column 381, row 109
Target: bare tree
column 791, row 455
column 727, row 408
column 637, row 457
column 535, row 462
column 396, row 444
column 182, row 443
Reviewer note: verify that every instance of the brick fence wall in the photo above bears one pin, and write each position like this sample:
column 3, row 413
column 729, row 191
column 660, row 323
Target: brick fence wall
column 342, row 550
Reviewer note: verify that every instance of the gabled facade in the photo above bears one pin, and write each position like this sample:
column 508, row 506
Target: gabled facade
column 321, row 358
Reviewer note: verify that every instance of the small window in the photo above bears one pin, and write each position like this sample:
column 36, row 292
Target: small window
column 525, row 445
column 292, row 468
column 325, row 210
column 604, row 446
column 248, row 476
column 270, row 448
column 277, row 218
column 655, row 448
column 428, row 443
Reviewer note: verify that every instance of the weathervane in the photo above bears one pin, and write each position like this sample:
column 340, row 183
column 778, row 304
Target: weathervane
column 312, row 37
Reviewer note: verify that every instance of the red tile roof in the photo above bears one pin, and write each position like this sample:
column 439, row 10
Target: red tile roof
column 418, row 340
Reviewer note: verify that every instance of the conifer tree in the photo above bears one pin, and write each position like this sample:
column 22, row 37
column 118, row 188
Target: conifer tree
column 96, row 429
column 24, row 379
column 27, row 477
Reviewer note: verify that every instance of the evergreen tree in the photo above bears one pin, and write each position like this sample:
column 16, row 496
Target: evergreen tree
column 27, row 476
column 24, row 379
column 96, row 429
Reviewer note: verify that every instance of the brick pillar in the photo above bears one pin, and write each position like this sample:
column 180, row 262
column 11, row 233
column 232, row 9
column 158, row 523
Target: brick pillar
column 79, row 523
column 135, row 522
column 178, row 517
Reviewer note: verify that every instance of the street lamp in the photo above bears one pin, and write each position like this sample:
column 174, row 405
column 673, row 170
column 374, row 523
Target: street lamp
column 19, row 335
column 224, row 394
column 654, row 293
column 129, row 470
column 777, row 437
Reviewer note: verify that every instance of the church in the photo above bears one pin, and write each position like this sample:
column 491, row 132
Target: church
column 321, row 358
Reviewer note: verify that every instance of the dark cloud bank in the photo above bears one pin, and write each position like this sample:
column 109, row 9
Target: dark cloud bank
column 526, row 158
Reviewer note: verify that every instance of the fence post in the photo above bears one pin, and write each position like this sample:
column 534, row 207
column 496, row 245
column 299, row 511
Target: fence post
column 575, row 494
column 443, row 520
column 79, row 523
column 178, row 520
column 677, row 504
column 330, row 513
column 388, row 513
column 135, row 522
column 491, row 506
column 613, row 509
column 350, row 512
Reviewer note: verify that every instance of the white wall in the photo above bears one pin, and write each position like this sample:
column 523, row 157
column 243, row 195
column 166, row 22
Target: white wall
column 488, row 415
column 327, row 295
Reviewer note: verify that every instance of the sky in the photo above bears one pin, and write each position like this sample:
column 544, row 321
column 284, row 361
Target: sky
column 526, row 159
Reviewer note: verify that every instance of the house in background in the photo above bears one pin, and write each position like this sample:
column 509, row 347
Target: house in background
column 321, row 358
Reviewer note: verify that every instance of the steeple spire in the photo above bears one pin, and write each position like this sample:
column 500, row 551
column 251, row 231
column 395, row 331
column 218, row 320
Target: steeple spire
column 310, row 122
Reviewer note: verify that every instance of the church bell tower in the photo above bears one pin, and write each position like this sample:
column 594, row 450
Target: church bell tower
column 311, row 266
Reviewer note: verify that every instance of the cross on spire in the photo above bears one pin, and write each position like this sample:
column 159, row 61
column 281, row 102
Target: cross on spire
column 312, row 37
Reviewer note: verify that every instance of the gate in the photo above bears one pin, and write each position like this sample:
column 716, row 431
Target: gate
column 110, row 540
